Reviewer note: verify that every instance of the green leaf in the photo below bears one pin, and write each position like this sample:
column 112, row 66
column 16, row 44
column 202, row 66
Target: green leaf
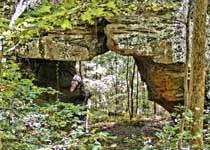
column 98, row 12
column 86, row 16
column 66, row 24
column 61, row 11
column 3, row 26
column 111, row 4
column 4, row 20
column 44, row 9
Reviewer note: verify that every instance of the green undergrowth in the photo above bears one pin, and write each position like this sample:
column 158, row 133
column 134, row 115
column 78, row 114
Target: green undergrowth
column 25, row 125
column 144, row 133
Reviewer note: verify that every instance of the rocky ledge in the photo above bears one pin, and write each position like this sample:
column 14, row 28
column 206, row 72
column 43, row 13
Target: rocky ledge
column 157, row 41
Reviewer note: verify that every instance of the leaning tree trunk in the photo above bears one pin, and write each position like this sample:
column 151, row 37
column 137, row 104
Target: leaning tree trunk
column 198, row 71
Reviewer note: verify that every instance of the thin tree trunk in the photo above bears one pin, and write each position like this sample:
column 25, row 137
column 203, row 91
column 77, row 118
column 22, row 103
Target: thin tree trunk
column 116, row 85
column 87, row 115
column 188, row 62
column 80, row 70
column 127, row 82
column 137, row 93
column 132, row 88
column 57, row 80
column 198, row 71
column 187, row 72
column 155, row 109
column 116, row 80
column 1, row 57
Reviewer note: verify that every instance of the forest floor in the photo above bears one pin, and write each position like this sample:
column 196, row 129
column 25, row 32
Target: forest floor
column 137, row 135
column 133, row 135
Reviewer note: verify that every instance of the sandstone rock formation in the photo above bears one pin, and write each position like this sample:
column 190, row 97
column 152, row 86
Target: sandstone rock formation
column 75, row 45
column 156, row 40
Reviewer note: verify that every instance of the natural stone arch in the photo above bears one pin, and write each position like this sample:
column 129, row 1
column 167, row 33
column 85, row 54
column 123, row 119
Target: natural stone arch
column 156, row 41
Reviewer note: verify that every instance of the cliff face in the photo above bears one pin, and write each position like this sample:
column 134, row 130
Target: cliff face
column 156, row 40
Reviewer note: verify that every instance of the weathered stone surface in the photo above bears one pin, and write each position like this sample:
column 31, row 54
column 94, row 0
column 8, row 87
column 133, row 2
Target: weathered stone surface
column 75, row 45
column 161, row 36
column 164, row 81
column 157, row 41
column 164, row 76
column 158, row 44
column 140, row 40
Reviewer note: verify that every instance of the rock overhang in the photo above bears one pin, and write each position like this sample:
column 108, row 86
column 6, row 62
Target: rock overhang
column 74, row 45
column 157, row 41
column 149, row 32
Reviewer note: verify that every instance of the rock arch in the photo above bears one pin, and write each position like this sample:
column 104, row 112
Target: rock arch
column 156, row 41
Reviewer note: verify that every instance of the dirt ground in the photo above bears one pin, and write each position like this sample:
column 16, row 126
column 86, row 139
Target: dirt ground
column 134, row 135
